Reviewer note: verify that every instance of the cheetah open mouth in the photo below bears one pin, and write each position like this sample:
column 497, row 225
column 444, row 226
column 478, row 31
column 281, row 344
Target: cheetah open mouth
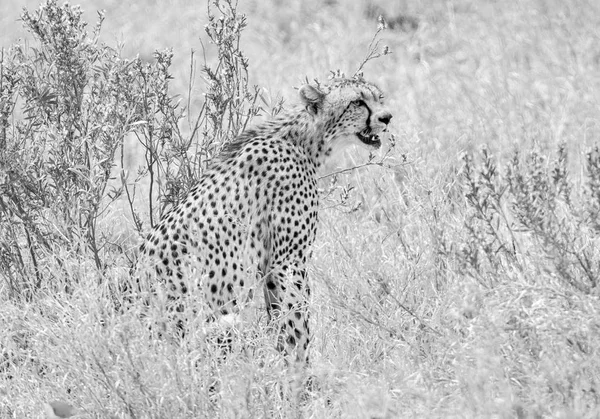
column 369, row 139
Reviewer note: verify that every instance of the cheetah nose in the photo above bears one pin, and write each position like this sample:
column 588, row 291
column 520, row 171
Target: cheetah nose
column 385, row 117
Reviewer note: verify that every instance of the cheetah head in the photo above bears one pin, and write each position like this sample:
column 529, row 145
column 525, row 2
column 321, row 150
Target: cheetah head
column 351, row 110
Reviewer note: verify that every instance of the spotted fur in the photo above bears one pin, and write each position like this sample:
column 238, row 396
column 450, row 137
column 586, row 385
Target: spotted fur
column 250, row 221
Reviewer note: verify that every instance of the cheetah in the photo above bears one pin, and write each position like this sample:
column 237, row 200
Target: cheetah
column 250, row 221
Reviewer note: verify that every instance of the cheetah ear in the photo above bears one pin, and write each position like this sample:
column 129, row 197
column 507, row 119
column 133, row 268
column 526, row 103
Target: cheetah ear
column 311, row 97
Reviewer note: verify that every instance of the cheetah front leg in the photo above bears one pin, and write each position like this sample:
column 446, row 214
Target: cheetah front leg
column 286, row 296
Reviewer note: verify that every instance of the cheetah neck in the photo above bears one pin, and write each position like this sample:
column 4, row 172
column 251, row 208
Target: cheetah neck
column 304, row 130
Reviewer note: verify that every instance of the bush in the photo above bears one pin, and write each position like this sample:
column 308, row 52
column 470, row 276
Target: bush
column 64, row 115
column 66, row 107
column 532, row 215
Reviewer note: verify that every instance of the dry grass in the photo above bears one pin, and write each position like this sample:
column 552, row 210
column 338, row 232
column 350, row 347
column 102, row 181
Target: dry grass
column 403, row 326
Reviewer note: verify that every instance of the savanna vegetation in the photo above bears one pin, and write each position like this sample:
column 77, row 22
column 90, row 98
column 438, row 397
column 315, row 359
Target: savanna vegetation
column 456, row 271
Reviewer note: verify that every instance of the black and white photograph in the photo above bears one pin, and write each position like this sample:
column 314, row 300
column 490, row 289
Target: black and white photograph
column 370, row 209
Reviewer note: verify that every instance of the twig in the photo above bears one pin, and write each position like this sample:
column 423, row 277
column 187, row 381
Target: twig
column 372, row 50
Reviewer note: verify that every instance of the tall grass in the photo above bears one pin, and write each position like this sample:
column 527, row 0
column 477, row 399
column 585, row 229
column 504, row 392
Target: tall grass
column 456, row 278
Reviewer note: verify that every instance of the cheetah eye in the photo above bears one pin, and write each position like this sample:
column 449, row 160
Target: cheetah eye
column 358, row 102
